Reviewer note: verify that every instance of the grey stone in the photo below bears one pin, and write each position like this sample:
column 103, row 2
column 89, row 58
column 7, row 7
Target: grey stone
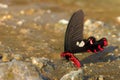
column 19, row 70
column 73, row 75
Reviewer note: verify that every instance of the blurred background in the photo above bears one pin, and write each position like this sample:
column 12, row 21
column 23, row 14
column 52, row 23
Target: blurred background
column 106, row 10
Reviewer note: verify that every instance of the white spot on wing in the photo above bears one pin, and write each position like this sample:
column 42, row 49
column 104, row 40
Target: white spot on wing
column 80, row 44
column 77, row 43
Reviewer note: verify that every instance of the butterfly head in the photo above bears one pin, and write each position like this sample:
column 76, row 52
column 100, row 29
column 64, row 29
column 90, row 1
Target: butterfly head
column 91, row 40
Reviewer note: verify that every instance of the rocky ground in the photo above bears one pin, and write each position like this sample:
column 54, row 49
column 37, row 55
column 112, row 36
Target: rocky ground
column 31, row 40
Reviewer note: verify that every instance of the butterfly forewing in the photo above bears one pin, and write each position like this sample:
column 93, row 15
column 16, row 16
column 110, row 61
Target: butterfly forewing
column 74, row 33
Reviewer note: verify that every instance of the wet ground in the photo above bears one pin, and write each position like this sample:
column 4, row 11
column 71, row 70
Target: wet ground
column 32, row 28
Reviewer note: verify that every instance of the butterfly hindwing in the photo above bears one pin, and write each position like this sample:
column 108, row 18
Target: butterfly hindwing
column 74, row 33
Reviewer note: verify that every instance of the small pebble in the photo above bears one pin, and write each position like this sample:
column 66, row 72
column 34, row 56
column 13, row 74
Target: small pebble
column 37, row 62
column 85, row 67
column 118, row 19
column 0, row 43
column 49, row 11
column 113, row 36
column 6, row 57
column 22, row 12
column 3, row 5
column 73, row 75
column 100, row 65
column 63, row 21
column 116, row 50
column 118, row 66
column 100, row 77
column 109, row 61
column 20, row 22
column 118, row 39
column 99, row 23
column 88, row 22
column 91, row 64
column 6, row 17
column 18, row 57
column 91, row 70
column 27, row 59
column 24, row 31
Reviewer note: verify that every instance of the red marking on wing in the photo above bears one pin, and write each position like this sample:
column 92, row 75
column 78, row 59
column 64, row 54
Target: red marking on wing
column 99, row 47
column 91, row 42
column 72, row 58
column 105, row 42
column 95, row 50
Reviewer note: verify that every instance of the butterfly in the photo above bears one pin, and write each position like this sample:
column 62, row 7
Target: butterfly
column 74, row 42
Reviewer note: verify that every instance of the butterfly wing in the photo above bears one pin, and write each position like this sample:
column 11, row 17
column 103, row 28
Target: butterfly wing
column 74, row 33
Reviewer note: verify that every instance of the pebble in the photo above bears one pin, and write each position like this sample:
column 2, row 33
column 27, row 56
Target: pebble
column 24, row 31
column 119, row 67
column 22, row 12
column 112, row 54
column 99, row 23
column 18, row 57
column 3, row 5
column 49, row 11
column 100, row 77
column 63, row 21
column 21, row 22
column 0, row 43
column 73, row 75
column 88, row 22
column 91, row 64
column 6, row 57
column 85, row 67
column 116, row 50
column 118, row 39
column 27, row 12
column 37, row 62
column 118, row 19
column 43, row 62
column 6, row 17
column 114, row 36
column 91, row 70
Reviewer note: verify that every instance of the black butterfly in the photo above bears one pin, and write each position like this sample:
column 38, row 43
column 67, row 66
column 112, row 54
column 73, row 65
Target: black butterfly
column 74, row 42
